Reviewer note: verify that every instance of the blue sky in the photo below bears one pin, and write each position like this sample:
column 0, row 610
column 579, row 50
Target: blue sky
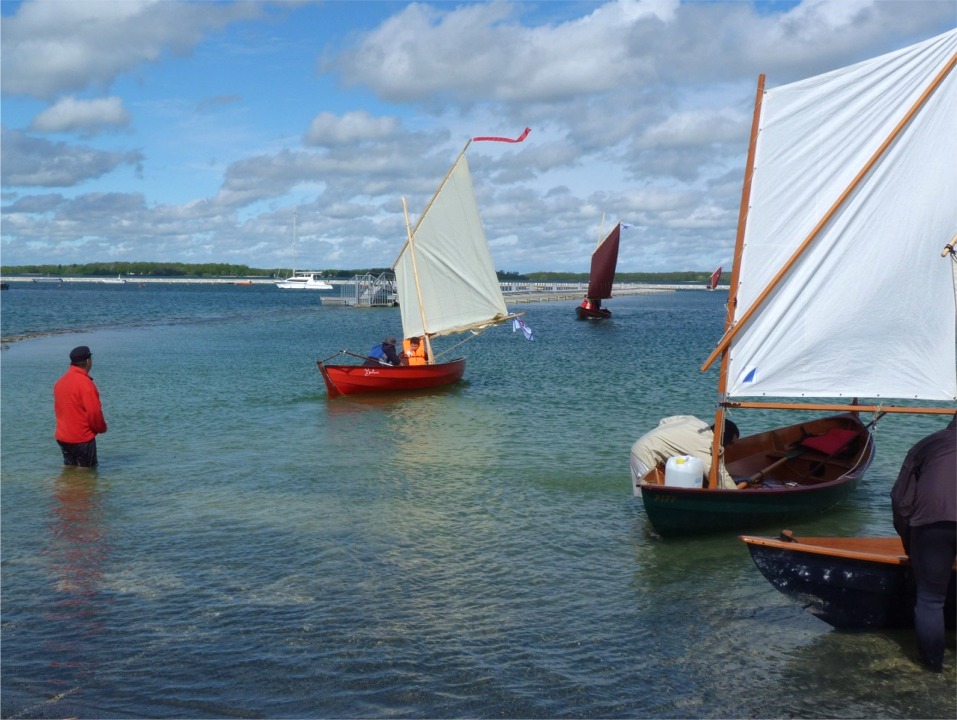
column 193, row 131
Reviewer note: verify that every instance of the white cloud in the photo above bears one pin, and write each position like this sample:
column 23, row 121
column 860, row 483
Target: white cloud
column 57, row 46
column 35, row 162
column 85, row 117
column 351, row 128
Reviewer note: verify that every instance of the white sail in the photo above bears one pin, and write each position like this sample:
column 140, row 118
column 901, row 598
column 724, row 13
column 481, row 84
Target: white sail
column 445, row 279
column 868, row 309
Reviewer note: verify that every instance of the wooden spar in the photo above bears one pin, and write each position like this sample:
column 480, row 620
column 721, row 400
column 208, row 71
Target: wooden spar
column 831, row 407
column 949, row 247
column 600, row 230
column 718, row 441
column 731, row 332
column 418, row 288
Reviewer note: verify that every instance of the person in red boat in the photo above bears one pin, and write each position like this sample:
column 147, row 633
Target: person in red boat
column 384, row 353
column 924, row 504
column 414, row 352
column 79, row 415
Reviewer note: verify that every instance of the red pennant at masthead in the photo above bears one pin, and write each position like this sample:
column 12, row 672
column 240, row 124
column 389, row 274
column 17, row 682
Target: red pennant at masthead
column 505, row 139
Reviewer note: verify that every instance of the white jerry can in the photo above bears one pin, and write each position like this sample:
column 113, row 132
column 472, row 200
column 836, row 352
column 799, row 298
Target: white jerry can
column 684, row 471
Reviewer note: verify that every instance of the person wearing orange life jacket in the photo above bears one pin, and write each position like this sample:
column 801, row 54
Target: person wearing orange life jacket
column 414, row 352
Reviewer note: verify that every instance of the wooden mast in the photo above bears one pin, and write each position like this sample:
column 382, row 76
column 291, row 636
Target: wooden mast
column 718, row 441
column 415, row 276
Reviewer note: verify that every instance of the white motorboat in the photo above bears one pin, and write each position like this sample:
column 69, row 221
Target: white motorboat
column 301, row 279
column 304, row 280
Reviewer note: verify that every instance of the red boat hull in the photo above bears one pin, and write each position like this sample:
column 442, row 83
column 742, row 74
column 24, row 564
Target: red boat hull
column 357, row 379
column 586, row 314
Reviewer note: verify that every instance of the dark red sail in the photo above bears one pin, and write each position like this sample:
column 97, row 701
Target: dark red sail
column 603, row 263
column 715, row 277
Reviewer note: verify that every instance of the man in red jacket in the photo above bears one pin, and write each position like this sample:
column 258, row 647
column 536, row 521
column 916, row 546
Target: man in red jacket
column 79, row 416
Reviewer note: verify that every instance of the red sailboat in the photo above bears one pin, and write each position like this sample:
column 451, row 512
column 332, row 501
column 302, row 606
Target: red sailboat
column 446, row 284
column 356, row 379
column 604, row 261
column 713, row 280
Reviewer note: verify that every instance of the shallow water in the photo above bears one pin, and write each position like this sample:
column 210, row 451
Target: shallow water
column 248, row 548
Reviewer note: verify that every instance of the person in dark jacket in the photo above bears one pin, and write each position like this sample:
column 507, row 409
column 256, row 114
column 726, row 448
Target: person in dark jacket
column 79, row 415
column 384, row 353
column 924, row 504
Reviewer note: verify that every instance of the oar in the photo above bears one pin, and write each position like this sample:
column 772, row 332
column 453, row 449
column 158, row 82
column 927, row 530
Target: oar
column 343, row 352
column 758, row 476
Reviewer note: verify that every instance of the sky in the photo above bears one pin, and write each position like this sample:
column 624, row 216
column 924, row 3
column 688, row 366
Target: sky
column 224, row 131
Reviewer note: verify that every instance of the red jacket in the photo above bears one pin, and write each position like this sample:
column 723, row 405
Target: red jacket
column 76, row 402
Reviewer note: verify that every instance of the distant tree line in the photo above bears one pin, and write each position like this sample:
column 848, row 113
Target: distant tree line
column 218, row 270
column 139, row 269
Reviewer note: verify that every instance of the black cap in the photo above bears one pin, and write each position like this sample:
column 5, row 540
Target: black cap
column 79, row 354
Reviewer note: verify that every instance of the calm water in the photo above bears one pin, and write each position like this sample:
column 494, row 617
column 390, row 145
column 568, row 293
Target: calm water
column 248, row 548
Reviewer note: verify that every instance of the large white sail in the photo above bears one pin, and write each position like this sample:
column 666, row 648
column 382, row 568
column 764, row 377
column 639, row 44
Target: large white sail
column 446, row 281
column 868, row 309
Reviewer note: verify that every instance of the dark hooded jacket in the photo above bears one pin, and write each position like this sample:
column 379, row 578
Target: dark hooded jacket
column 926, row 488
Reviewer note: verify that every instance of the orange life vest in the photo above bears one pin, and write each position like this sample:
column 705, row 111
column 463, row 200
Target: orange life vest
column 415, row 356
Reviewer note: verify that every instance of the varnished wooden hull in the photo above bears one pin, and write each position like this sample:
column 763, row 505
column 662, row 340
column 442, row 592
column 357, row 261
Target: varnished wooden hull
column 801, row 486
column 357, row 379
column 846, row 582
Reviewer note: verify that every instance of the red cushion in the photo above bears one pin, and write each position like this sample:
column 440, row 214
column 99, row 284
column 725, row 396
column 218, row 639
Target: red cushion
column 831, row 442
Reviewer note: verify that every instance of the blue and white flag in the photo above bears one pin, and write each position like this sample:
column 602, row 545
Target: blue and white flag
column 519, row 325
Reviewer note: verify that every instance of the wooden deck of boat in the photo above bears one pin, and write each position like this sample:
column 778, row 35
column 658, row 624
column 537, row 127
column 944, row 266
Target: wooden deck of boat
column 885, row 549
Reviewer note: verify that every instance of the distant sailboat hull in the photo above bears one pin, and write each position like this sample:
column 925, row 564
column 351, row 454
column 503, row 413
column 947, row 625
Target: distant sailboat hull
column 589, row 314
column 359, row 379
column 852, row 583
column 796, row 481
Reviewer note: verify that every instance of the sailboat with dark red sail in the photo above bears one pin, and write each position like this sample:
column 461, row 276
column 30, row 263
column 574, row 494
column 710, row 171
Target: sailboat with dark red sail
column 713, row 280
column 604, row 261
